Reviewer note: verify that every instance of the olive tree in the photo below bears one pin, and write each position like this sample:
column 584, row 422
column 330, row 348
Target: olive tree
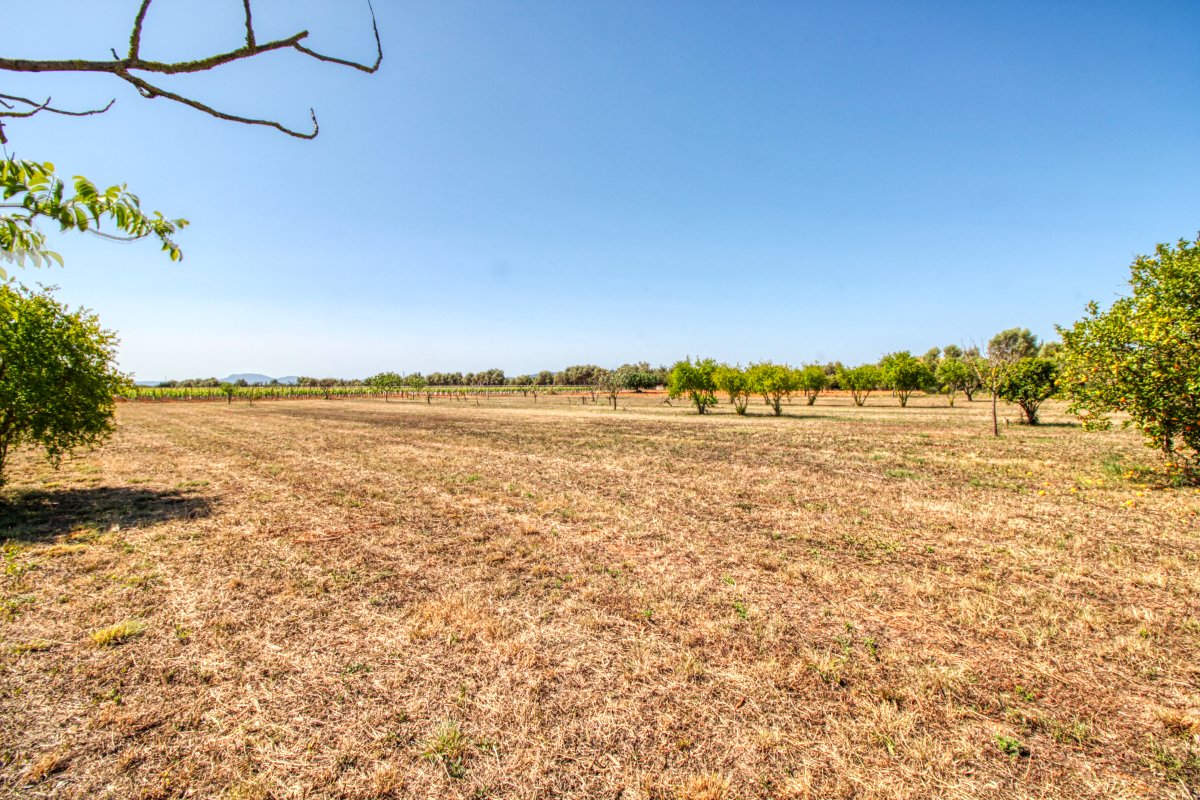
column 811, row 380
column 636, row 377
column 1028, row 383
column 58, row 375
column 1142, row 356
column 733, row 381
column 773, row 381
column 904, row 375
column 860, row 382
column 1003, row 351
column 694, row 380
column 611, row 382
column 1012, row 345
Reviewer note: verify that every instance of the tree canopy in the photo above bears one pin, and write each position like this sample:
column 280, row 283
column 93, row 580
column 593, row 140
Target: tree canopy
column 694, row 379
column 860, row 381
column 57, row 375
column 1028, row 383
column 904, row 374
column 811, row 380
column 773, row 381
column 1142, row 356
column 734, row 383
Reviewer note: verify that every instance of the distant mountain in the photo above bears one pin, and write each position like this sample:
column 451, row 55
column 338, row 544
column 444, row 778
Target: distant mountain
column 290, row 380
column 248, row 377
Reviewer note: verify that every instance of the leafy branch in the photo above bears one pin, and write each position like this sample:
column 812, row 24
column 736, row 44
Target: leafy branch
column 34, row 192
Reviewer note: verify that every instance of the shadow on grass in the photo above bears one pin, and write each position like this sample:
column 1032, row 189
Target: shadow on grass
column 40, row 514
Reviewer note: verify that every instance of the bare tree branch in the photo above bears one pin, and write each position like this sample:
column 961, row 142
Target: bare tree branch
column 249, row 24
column 135, row 38
column 35, row 107
column 133, row 62
column 150, row 91
column 363, row 67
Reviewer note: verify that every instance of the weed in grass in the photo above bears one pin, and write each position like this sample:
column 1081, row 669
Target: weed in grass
column 872, row 647
column 448, row 748
column 1011, row 747
column 15, row 567
column 12, row 607
column 1076, row 732
column 740, row 609
column 1174, row 763
column 116, row 634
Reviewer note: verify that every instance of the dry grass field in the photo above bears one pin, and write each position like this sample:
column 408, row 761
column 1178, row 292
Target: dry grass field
column 353, row 599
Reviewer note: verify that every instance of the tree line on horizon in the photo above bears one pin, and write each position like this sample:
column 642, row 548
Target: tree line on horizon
column 951, row 370
column 1139, row 359
column 1016, row 367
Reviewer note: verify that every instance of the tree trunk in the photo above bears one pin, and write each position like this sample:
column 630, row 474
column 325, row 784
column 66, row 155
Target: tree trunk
column 995, row 418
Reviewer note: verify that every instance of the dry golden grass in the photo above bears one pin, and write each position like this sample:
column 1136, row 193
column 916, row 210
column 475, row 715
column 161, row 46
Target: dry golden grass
column 352, row 599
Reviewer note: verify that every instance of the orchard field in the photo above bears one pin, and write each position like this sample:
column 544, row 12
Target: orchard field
column 515, row 599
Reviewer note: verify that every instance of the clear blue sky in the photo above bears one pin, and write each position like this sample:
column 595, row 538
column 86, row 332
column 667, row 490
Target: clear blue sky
column 527, row 185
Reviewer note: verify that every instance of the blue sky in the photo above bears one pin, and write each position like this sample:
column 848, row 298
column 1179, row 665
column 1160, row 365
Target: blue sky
column 528, row 185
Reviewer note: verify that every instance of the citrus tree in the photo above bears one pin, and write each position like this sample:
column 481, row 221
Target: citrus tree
column 732, row 381
column 904, row 375
column 773, row 381
column 1028, row 383
column 811, row 380
column 954, row 376
column 860, row 381
column 1142, row 356
column 694, row 380
column 58, row 375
